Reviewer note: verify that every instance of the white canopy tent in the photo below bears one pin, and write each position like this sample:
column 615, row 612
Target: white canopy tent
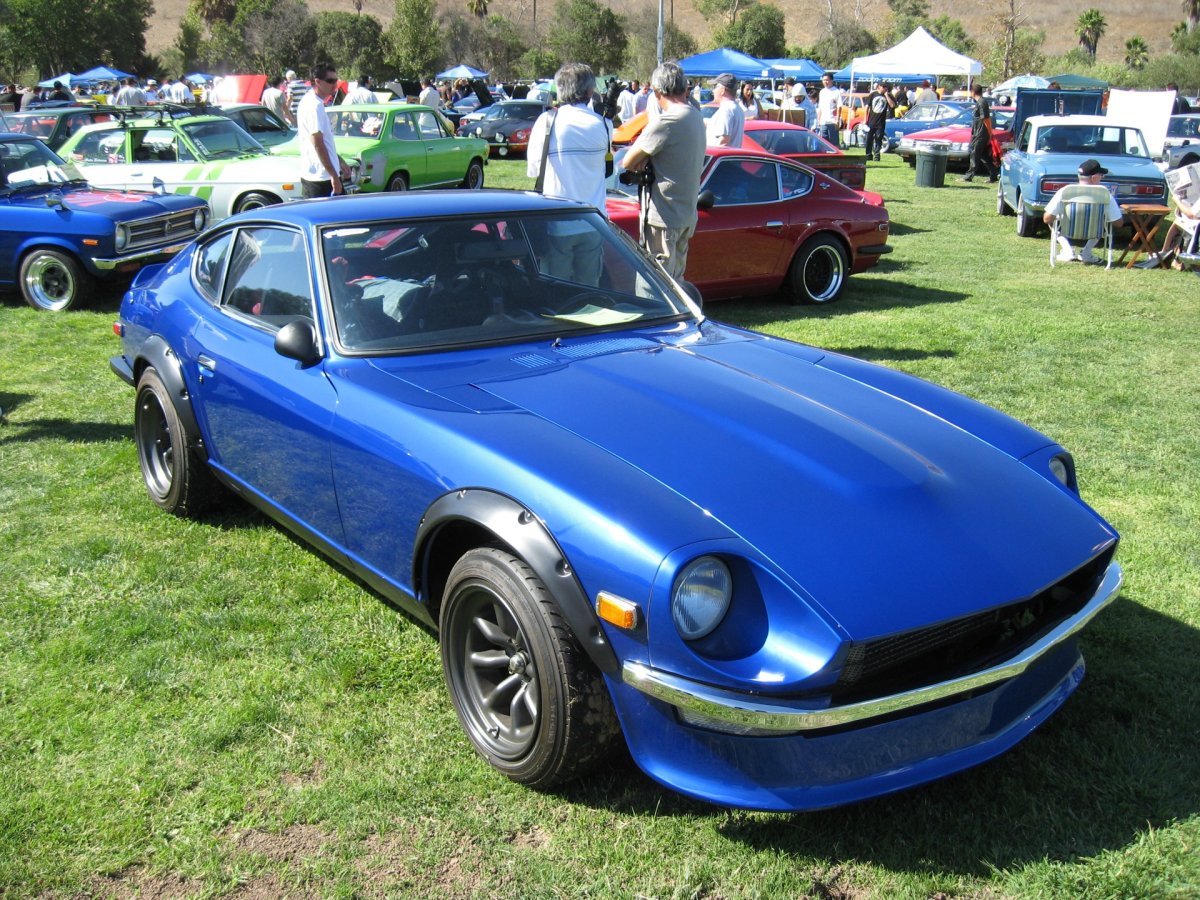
column 919, row 52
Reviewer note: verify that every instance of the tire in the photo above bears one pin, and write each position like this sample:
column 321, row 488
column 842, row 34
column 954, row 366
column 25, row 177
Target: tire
column 526, row 694
column 1188, row 160
column 398, row 182
column 255, row 200
column 176, row 478
column 819, row 271
column 54, row 281
column 1027, row 225
column 474, row 176
column 1002, row 208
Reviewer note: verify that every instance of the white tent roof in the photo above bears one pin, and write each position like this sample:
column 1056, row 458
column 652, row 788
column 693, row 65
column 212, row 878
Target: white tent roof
column 919, row 52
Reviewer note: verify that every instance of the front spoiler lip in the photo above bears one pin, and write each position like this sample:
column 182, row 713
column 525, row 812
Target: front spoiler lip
column 782, row 716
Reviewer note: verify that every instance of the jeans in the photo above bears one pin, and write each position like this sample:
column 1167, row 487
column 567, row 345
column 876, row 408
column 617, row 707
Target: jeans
column 831, row 133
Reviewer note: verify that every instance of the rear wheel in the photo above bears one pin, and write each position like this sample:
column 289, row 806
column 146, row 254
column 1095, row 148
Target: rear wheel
column 176, row 478
column 54, row 281
column 255, row 200
column 474, row 176
column 818, row 271
column 528, row 697
column 1027, row 222
column 398, row 182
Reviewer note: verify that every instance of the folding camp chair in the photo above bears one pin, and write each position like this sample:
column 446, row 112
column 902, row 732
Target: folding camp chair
column 1083, row 217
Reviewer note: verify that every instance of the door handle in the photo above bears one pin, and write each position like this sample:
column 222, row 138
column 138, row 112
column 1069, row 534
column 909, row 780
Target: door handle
column 207, row 366
column 775, row 225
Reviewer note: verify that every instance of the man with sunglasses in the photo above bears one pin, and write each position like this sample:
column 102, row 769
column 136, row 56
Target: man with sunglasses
column 324, row 172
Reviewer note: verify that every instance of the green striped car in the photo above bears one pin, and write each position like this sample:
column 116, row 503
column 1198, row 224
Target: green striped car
column 210, row 157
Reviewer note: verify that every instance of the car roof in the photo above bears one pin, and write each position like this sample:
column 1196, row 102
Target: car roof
column 376, row 107
column 1078, row 120
column 57, row 110
column 360, row 208
column 12, row 136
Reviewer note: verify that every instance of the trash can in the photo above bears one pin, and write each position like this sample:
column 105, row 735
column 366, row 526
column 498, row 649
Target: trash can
column 931, row 165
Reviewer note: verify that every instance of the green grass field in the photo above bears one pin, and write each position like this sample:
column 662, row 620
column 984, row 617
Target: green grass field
column 208, row 708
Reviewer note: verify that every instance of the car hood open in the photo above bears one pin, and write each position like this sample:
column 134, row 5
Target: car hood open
column 888, row 516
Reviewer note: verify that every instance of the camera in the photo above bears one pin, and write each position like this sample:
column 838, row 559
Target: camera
column 642, row 179
column 606, row 103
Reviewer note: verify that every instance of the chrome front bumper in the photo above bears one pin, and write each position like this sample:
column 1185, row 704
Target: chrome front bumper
column 107, row 265
column 783, row 716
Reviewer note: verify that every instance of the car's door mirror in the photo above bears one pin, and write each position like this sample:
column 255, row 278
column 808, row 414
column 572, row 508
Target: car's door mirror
column 705, row 200
column 298, row 340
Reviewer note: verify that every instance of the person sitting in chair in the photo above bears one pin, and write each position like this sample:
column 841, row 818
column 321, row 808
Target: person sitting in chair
column 1090, row 172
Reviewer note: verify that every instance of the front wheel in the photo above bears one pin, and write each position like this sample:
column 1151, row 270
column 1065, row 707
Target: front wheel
column 54, row 281
column 176, row 478
column 1027, row 223
column 818, row 271
column 474, row 176
column 529, row 699
column 255, row 200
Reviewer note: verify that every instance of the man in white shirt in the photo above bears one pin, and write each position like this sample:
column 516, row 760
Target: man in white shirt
column 575, row 145
column 323, row 171
column 728, row 123
column 1090, row 172
column 429, row 95
column 829, row 106
column 926, row 94
column 627, row 102
column 362, row 93
column 130, row 94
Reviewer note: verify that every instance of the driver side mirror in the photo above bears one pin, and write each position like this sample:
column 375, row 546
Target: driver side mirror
column 298, row 340
column 705, row 200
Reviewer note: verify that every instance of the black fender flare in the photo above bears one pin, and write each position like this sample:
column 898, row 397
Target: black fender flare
column 519, row 528
column 157, row 352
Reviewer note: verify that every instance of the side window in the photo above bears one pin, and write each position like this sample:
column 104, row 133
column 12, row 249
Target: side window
column 741, row 181
column 403, row 129
column 209, row 273
column 158, row 145
column 794, row 182
column 267, row 276
column 256, row 122
column 429, row 126
column 100, row 147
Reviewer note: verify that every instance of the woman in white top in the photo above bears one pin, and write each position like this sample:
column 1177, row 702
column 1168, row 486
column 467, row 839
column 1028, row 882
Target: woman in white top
column 749, row 103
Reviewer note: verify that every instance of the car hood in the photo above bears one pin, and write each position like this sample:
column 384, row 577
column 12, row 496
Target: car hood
column 499, row 127
column 885, row 515
column 116, row 205
column 951, row 133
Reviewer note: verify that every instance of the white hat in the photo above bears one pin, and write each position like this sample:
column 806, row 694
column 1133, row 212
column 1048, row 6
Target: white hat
column 151, row 81
column 289, row 74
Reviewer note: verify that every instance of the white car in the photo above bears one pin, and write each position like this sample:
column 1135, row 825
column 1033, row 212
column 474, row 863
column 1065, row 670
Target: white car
column 210, row 157
column 1182, row 144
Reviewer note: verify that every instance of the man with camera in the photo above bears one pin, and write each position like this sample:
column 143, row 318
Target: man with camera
column 670, row 151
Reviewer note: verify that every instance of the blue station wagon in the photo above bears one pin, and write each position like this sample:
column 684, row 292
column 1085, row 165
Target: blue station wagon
column 782, row 577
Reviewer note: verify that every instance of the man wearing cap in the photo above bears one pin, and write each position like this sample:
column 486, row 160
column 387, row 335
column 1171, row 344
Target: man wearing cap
column 728, row 123
column 1090, row 172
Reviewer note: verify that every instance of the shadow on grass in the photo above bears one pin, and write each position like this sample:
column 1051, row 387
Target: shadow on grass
column 860, row 296
column 9, row 402
column 1117, row 762
column 59, row 429
column 899, row 229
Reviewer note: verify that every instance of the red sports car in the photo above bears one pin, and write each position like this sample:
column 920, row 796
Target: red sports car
column 958, row 138
column 767, row 223
column 807, row 147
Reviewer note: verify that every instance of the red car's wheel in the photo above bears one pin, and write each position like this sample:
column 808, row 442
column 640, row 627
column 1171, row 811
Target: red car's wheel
column 818, row 271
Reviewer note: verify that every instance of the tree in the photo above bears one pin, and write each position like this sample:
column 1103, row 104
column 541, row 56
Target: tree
column 1089, row 28
column 277, row 37
column 906, row 16
column 1185, row 41
column 759, row 32
column 587, row 32
column 353, row 43
column 501, row 47
column 54, row 36
column 1191, row 9
column 1137, row 53
column 1022, row 54
column 642, row 54
column 415, row 39
column 478, row 8
column 844, row 40
column 538, row 62
column 722, row 10
column 951, row 33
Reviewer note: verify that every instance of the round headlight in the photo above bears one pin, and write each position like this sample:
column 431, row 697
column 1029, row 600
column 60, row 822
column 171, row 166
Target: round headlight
column 701, row 597
column 199, row 218
column 1060, row 468
column 122, row 238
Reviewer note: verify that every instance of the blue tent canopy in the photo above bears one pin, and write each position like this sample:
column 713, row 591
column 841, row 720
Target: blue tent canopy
column 462, row 71
column 863, row 77
column 800, row 69
column 65, row 79
column 103, row 73
column 725, row 59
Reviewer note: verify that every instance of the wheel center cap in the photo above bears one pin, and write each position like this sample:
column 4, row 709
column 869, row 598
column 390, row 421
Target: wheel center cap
column 517, row 663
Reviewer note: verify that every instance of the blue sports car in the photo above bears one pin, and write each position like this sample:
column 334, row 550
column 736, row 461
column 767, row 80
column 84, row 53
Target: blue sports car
column 924, row 116
column 785, row 578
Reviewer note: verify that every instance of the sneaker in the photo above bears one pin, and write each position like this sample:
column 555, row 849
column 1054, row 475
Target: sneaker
column 1064, row 257
column 968, row 178
column 1091, row 260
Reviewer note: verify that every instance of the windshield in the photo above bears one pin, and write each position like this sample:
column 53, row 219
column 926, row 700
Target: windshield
column 31, row 163
column 513, row 111
column 1092, row 140
column 1184, row 126
column 783, row 141
column 404, row 286
column 221, row 138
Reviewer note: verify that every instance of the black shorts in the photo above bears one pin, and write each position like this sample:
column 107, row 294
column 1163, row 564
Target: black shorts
column 310, row 189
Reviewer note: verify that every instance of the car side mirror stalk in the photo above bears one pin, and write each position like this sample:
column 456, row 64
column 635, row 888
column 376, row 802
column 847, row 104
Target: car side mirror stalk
column 298, row 340
column 706, row 200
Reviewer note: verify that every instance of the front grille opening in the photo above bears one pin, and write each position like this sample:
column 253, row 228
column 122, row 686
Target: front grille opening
column 902, row 662
column 166, row 229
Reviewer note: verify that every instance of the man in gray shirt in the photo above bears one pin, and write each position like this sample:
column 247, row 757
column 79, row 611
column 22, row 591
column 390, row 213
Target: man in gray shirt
column 673, row 144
